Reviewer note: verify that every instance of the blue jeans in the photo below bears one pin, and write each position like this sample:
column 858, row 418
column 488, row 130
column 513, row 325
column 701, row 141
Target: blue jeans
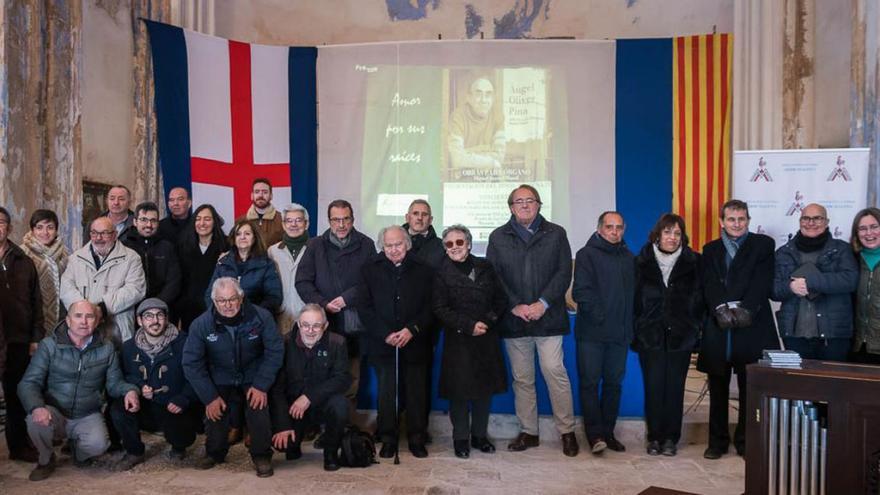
column 605, row 362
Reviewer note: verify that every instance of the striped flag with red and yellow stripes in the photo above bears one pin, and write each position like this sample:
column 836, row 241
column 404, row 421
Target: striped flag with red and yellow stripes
column 701, row 126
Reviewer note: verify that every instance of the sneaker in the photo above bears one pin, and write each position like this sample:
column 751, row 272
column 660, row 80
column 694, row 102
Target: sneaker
column 43, row 471
column 127, row 462
column 263, row 465
column 598, row 446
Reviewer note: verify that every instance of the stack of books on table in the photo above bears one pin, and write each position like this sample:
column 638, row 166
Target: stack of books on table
column 781, row 359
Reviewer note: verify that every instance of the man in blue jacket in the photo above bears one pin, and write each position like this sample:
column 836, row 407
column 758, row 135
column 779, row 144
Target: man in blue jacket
column 604, row 289
column 231, row 357
column 151, row 360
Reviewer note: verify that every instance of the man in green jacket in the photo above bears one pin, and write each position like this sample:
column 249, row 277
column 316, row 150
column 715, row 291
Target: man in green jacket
column 63, row 389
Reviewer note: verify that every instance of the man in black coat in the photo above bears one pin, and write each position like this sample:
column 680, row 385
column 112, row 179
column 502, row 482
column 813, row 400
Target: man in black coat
column 604, row 290
column 179, row 213
column 737, row 281
column 158, row 256
column 310, row 388
column 329, row 275
column 397, row 315
column 532, row 258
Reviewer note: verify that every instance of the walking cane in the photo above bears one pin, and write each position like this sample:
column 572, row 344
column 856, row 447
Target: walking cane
column 397, row 400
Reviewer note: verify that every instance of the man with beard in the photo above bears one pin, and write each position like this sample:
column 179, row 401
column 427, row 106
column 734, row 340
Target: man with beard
column 311, row 387
column 231, row 358
column 64, row 386
column 152, row 362
column 158, row 256
column 179, row 204
column 330, row 276
column 815, row 278
column 262, row 214
column 109, row 275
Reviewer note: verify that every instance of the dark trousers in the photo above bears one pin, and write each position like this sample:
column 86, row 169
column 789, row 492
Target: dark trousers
column 387, row 420
column 474, row 424
column 664, row 373
column 822, row 349
column 603, row 362
column 17, row 360
column 257, row 420
column 179, row 429
column 719, row 393
column 332, row 413
column 864, row 357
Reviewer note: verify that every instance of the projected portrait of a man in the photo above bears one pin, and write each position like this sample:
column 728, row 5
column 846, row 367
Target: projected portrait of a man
column 476, row 131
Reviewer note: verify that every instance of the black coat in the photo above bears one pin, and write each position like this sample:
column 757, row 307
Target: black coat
column 319, row 373
column 471, row 367
column 326, row 272
column 164, row 373
column 429, row 248
column 159, row 259
column 170, row 228
column 668, row 316
column 529, row 271
column 750, row 280
column 21, row 301
column 397, row 298
column 195, row 278
column 604, row 289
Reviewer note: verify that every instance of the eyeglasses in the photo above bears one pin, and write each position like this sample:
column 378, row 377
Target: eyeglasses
column 147, row 220
column 525, row 201
column 295, row 221
column 340, row 221
column 457, row 242
column 869, row 228
column 314, row 327
column 101, row 233
column 153, row 316
column 816, row 219
column 229, row 300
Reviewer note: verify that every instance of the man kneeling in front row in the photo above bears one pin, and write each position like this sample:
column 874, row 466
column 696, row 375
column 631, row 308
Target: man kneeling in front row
column 63, row 389
column 151, row 361
column 311, row 387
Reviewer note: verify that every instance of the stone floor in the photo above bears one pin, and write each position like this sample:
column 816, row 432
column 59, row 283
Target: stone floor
column 541, row 470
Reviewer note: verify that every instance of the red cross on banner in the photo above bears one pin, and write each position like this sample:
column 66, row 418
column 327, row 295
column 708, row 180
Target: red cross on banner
column 242, row 171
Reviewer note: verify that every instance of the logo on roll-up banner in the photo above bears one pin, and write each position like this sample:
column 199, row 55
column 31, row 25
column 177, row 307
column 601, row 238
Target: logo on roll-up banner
column 839, row 171
column 761, row 172
column 797, row 206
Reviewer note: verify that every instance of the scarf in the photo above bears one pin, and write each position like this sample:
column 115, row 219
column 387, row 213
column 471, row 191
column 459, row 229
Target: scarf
column 666, row 261
column 153, row 345
column 295, row 244
column 871, row 257
column 526, row 233
column 806, row 244
column 50, row 261
column 340, row 243
column 731, row 245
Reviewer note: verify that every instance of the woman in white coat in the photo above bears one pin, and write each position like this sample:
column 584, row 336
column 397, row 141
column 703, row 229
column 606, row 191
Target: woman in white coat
column 287, row 254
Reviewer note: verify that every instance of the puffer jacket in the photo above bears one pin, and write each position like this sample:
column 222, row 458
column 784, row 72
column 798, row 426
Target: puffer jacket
column 257, row 276
column 72, row 380
column 163, row 373
column 604, row 289
column 120, row 284
column 292, row 304
column 668, row 316
column 868, row 309
column 529, row 271
column 837, row 279
column 251, row 357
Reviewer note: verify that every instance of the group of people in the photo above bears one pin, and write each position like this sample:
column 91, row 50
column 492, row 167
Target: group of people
column 167, row 325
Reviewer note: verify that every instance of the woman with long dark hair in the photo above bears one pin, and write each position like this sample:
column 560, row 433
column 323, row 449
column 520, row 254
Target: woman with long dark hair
column 865, row 241
column 669, row 311
column 201, row 244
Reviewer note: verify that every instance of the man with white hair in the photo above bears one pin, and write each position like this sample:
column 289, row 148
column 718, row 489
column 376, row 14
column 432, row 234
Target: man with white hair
column 231, row 357
column 109, row 275
column 287, row 254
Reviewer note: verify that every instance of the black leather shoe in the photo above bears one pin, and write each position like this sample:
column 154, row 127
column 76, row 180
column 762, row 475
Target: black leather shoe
column 653, row 448
column 570, row 445
column 669, row 449
column 740, row 450
column 388, row 450
column 418, row 450
column 331, row 460
column 615, row 445
column 482, row 444
column 714, row 453
column 522, row 442
column 462, row 451
column 263, row 466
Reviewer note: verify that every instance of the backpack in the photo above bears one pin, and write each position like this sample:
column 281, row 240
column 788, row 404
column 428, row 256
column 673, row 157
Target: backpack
column 358, row 449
